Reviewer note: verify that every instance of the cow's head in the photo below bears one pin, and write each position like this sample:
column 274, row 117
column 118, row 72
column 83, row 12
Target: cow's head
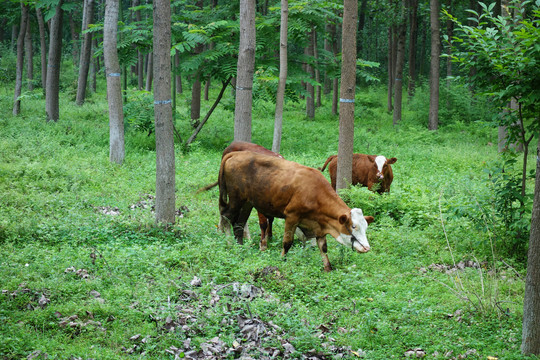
column 353, row 233
column 382, row 165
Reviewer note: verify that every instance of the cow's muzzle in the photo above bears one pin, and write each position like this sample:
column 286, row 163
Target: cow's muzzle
column 380, row 176
column 361, row 248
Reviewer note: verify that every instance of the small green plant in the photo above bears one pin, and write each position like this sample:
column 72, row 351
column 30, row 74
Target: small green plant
column 139, row 111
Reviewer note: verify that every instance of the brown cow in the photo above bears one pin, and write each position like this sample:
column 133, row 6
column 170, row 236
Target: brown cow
column 285, row 189
column 368, row 170
column 265, row 223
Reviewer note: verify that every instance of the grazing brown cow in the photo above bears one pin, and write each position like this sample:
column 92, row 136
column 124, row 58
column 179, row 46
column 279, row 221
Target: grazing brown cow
column 265, row 223
column 368, row 170
column 284, row 189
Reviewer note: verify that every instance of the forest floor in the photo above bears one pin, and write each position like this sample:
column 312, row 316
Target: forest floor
column 86, row 274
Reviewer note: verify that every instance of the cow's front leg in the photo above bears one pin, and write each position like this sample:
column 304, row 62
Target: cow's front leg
column 288, row 235
column 321, row 242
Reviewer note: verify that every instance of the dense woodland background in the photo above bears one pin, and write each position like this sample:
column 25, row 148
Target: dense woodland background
column 450, row 88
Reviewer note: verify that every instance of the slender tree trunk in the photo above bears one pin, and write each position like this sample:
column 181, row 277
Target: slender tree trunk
column 114, row 86
column 361, row 25
column 196, row 100
column 280, row 96
column 43, row 46
column 434, row 68
column 400, row 62
column 328, row 47
column 14, row 32
column 52, row 91
column 29, row 56
column 347, row 94
column 335, row 80
column 165, row 168
column 310, row 98
column 178, row 77
column 95, row 67
column 86, row 49
column 149, row 72
column 246, row 68
column 390, row 69
column 318, row 90
column 20, row 59
column 140, row 56
column 450, row 33
column 530, row 342
column 74, row 39
column 413, row 34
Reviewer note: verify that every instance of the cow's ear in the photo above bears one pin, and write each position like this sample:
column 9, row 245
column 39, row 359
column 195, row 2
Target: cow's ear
column 391, row 161
column 343, row 219
column 369, row 219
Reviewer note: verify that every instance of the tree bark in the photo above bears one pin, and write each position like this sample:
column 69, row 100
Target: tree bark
column 245, row 70
column 86, row 49
column 52, row 90
column 347, row 94
column 178, row 76
column 434, row 68
column 20, row 59
column 328, row 47
column 390, row 68
column 413, row 34
column 318, row 90
column 335, row 80
column 530, row 342
column 400, row 62
column 95, row 67
column 196, row 100
column 74, row 39
column 280, row 96
column 114, row 86
column 29, row 56
column 165, row 167
column 43, row 46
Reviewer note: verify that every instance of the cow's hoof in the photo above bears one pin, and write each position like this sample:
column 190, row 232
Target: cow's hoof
column 263, row 247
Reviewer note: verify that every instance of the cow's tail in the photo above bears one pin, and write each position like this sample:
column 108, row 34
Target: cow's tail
column 223, row 195
column 330, row 158
column 207, row 187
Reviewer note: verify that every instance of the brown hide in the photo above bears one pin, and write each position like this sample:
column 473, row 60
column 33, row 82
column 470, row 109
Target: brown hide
column 365, row 172
column 284, row 189
column 265, row 223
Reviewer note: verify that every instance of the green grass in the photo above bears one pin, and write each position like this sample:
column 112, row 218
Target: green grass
column 56, row 180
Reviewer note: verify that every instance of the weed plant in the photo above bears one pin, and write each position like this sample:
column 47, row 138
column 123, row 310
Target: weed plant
column 85, row 272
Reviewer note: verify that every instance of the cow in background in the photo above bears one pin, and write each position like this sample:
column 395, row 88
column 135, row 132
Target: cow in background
column 299, row 194
column 265, row 223
column 373, row 171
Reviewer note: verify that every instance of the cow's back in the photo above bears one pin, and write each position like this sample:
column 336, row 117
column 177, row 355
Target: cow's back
column 272, row 185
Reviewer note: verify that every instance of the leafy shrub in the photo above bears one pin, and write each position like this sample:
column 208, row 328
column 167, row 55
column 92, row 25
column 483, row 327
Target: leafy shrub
column 8, row 64
column 139, row 111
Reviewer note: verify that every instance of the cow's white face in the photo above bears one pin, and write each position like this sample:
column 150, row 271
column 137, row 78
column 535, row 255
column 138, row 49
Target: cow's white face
column 379, row 162
column 357, row 240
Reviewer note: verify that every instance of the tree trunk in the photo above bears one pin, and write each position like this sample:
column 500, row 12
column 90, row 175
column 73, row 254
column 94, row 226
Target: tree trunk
column 149, row 72
column 310, row 98
column 434, row 68
column 450, row 34
column 95, row 67
column 43, row 46
column 114, row 86
column 245, row 69
column 20, row 59
column 52, row 90
column 280, row 96
column 86, row 49
column 140, row 56
column 196, row 100
column 74, row 39
column 318, row 90
column 328, row 47
column 530, row 342
column 413, row 34
column 400, row 62
column 347, row 94
column 335, row 80
column 361, row 25
column 390, row 69
column 29, row 56
column 165, row 167
column 178, row 76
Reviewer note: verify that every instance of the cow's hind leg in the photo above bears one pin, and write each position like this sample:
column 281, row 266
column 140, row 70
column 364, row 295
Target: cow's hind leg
column 265, row 223
column 321, row 242
column 240, row 223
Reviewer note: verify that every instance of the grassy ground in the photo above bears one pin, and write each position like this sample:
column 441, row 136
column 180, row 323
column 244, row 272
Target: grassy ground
column 84, row 272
